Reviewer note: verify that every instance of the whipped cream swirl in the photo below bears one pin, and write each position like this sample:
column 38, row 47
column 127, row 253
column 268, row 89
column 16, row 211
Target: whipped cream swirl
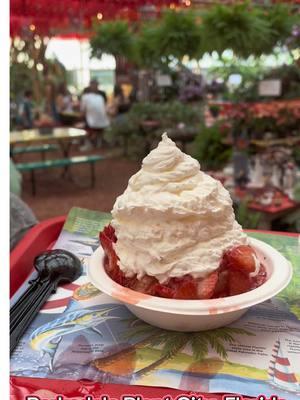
column 173, row 219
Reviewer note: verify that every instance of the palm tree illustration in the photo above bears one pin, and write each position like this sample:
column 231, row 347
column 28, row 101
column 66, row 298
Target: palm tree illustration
column 138, row 328
column 171, row 344
column 175, row 342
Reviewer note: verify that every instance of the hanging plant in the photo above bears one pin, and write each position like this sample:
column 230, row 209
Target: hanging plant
column 281, row 21
column 239, row 27
column 179, row 35
column 113, row 38
column 244, row 28
column 146, row 46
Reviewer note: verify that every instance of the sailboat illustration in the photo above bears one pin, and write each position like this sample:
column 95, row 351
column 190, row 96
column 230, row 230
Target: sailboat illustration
column 280, row 372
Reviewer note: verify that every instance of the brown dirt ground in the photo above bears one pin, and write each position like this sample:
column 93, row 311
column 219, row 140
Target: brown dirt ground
column 56, row 196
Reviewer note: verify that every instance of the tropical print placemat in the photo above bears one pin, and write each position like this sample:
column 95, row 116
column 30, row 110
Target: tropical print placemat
column 83, row 334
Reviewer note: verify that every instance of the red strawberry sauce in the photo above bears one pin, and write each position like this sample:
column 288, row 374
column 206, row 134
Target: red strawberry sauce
column 232, row 278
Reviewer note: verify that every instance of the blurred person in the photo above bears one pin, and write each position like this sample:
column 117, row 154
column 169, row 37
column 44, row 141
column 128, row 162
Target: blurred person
column 133, row 97
column 94, row 87
column 94, row 109
column 21, row 219
column 26, row 110
column 50, row 100
column 120, row 103
column 63, row 99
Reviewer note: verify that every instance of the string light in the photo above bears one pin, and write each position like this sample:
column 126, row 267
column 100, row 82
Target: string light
column 37, row 44
column 172, row 6
column 32, row 27
column 187, row 3
column 99, row 16
column 20, row 57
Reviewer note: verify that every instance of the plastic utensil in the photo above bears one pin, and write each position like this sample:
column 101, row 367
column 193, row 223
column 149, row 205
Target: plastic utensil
column 54, row 267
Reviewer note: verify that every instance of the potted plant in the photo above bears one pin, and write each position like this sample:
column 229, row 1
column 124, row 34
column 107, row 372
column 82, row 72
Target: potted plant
column 214, row 110
column 210, row 150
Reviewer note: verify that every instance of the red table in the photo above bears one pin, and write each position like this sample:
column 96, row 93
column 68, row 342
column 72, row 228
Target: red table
column 269, row 212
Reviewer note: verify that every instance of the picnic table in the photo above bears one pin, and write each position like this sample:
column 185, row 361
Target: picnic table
column 63, row 136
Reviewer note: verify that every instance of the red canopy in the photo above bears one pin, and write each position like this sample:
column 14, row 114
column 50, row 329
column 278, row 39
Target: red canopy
column 73, row 17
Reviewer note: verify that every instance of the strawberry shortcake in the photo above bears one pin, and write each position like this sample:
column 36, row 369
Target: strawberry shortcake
column 173, row 233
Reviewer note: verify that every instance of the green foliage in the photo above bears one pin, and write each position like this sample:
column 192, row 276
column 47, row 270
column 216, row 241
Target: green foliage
column 199, row 346
column 237, row 27
column 21, row 79
column 244, row 28
column 124, row 128
column 253, row 73
column 281, row 21
column 250, row 73
column 145, row 46
column 173, row 342
column 113, row 37
column 176, row 35
column 246, row 218
column 215, row 338
column 179, row 35
column 209, row 149
column 297, row 198
column 167, row 114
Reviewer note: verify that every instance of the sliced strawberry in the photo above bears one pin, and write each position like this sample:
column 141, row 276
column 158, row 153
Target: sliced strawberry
column 114, row 272
column 231, row 279
column 107, row 238
column 109, row 231
column 238, row 282
column 144, row 284
column 260, row 278
column 222, row 284
column 107, row 245
column 128, row 282
column 221, row 295
column 162, row 291
column 240, row 258
column 206, row 286
column 186, row 290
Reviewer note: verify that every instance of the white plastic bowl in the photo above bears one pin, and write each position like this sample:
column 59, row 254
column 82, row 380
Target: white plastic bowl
column 195, row 315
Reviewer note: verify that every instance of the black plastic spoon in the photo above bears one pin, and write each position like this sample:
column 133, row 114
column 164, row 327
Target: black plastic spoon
column 53, row 267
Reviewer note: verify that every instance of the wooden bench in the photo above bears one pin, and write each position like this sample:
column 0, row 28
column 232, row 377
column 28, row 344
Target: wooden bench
column 65, row 163
column 43, row 149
